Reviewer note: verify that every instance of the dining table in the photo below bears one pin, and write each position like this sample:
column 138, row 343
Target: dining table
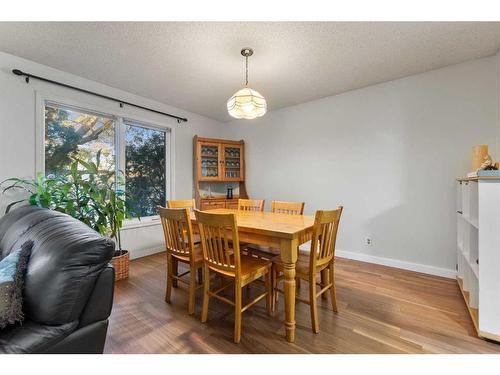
column 276, row 230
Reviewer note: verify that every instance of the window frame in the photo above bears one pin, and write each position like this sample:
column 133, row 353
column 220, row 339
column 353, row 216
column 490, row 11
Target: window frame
column 121, row 142
column 121, row 116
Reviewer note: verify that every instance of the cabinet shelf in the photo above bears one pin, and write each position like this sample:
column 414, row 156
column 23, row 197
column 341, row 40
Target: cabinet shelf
column 475, row 268
column 464, row 253
column 228, row 168
column 474, row 313
column 471, row 221
column 478, row 258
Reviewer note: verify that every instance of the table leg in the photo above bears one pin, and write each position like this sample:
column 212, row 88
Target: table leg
column 289, row 258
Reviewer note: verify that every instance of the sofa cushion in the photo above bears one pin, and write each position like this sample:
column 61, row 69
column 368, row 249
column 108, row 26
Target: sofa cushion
column 16, row 223
column 66, row 259
column 12, row 269
column 31, row 337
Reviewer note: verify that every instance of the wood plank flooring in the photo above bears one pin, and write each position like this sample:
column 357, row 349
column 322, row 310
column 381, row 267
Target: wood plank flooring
column 381, row 310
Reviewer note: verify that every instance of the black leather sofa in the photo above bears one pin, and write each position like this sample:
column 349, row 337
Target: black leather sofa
column 68, row 291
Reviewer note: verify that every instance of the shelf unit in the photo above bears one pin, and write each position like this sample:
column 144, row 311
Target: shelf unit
column 478, row 251
column 218, row 164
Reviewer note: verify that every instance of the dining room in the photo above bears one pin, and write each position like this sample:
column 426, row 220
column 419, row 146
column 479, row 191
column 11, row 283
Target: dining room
column 249, row 187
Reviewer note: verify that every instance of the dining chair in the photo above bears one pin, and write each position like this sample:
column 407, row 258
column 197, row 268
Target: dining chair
column 289, row 208
column 251, row 204
column 221, row 254
column 315, row 256
column 180, row 246
column 182, row 203
column 278, row 207
column 185, row 203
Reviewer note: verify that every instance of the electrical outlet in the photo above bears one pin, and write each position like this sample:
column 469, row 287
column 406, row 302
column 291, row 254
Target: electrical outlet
column 368, row 241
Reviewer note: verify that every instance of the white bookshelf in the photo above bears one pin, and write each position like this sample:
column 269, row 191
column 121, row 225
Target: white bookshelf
column 478, row 252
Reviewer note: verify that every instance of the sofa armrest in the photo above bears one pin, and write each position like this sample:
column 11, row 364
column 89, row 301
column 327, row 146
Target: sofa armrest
column 101, row 300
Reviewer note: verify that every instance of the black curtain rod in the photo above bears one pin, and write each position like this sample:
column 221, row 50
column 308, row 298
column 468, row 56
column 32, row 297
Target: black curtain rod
column 18, row 72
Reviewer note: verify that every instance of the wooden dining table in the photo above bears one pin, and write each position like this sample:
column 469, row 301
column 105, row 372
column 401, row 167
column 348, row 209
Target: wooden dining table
column 282, row 231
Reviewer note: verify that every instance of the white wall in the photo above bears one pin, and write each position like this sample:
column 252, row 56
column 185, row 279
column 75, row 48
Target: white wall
column 17, row 131
column 388, row 153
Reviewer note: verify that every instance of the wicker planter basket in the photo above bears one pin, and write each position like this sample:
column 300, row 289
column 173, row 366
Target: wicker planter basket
column 121, row 263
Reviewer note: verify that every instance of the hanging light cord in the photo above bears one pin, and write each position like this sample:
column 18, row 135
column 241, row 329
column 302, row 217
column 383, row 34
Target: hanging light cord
column 246, row 59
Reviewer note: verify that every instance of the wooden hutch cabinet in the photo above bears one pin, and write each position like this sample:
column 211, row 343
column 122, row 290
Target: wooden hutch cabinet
column 219, row 164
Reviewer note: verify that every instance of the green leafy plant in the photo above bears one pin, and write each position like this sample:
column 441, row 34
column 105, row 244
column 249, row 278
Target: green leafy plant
column 95, row 197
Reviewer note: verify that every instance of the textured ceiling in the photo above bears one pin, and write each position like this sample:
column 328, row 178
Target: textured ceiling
column 197, row 66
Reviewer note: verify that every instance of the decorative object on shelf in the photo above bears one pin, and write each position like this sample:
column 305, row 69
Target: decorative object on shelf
column 229, row 193
column 485, row 173
column 88, row 194
column 247, row 103
column 482, row 163
column 487, row 164
column 479, row 152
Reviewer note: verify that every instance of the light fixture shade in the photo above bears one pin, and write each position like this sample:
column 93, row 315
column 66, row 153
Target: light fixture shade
column 247, row 104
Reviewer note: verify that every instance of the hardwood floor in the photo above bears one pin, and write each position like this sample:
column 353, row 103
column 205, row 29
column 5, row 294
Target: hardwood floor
column 381, row 310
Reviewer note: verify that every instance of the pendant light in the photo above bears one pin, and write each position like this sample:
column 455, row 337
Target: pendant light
column 247, row 103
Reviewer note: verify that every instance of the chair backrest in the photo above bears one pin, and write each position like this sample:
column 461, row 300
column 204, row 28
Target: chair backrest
column 289, row 208
column 178, row 231
column 219, row 241
column 326, row 224
column 251, row 204
column 182, row 203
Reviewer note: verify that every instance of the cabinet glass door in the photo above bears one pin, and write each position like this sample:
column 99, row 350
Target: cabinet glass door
column 233, row 162
column 209, row 161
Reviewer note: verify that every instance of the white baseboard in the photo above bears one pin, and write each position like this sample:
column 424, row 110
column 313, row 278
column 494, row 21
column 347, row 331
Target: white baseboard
column 423, row 268
column 139, row 253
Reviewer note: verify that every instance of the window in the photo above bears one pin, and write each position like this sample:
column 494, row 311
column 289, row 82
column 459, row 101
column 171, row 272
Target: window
column 145, row 151
column 137, row 149
column 73, row 133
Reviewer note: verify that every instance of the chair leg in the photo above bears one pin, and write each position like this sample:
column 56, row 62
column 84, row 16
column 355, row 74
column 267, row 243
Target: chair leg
column 333, row 293
column 192, row 290
column 324, row 281
column 276, row 294
column 273, row 290
column 169, row 278
column 237, row 311
column 269, row 297
column 175, row 271
column 312, row 303
column 200, row 275
column 206, row 297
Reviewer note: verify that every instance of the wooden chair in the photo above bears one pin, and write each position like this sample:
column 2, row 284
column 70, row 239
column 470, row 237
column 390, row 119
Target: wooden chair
column 221, row 253
column 319, row 259
column 251, row 204
column 180, row 247
column 289, row 208
column 191, row 205
column 182, row 203
column 278, row 207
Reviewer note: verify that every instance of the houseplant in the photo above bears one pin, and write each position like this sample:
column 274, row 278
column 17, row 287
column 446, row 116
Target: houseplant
column 93, row 196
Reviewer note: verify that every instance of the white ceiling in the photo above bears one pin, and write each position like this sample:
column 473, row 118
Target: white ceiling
column 197, row 66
